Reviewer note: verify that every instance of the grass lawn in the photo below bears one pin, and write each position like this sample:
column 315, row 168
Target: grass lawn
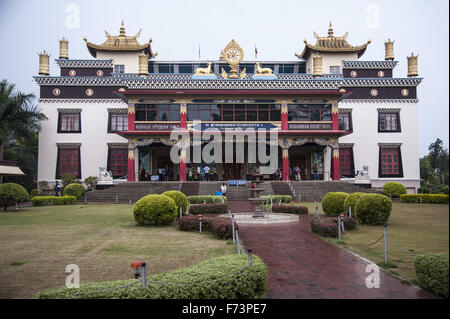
column 37, row 243
column 416, row 228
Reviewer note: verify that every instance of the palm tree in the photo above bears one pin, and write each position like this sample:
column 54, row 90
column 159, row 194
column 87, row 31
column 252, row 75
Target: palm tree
column 19, row 118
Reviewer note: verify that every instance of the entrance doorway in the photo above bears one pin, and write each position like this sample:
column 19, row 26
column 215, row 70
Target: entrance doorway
column 231, row 171
column 309, row 158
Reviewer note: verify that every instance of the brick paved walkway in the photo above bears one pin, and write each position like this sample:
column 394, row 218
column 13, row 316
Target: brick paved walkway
column 302, row 265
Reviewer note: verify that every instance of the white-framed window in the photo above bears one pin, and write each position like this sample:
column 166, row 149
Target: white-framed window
column 119, row 68
column 335, row 69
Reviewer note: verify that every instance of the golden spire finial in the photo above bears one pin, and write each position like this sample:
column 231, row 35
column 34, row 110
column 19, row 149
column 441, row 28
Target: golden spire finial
column 330, row 30
column 122, row 30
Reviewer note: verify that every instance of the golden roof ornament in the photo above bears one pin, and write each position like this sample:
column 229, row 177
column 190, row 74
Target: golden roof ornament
column 63, row 48
column 44, row 63
column 122, row 42
column 143, row 65
column 389, row 50
column 233, row 54
column 317, row 66
column 412, row 65
column 331, row 43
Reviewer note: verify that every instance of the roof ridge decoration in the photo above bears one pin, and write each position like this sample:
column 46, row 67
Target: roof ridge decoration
column 369, row 64
column 78, row 63
column 331, row 43
column 122, row 42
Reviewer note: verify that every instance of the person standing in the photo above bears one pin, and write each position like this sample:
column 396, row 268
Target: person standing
column 199, row 170
column 189, row 173
column 57, row 189
column 315, row 172
column 206, row 169
column 223, row 188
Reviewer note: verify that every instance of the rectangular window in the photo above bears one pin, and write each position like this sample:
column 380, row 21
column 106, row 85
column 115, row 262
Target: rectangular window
column 119, row 68
column 389, row 122
column 185, row 68
column 69, row 123
column 335, row 69
column 157, row 112
column 307, row 112
column 390, row 162
column 68, row 162
column 286, row 68
column 118, row 161
column 118, row 122
column 346, row 161
column 166, row 68
column 345, row 122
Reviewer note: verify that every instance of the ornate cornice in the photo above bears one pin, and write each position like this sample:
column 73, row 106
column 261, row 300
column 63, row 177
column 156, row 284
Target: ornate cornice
column 389, row 144
column 117, row 145
column 346, row 145
column 109, row 101
column 78, row 81
column 379, row 101
column 68, row 110
column 344, row 111
column 388, row 110
column 122, row 110
column 380, row 82
column 65, row 63
column 68, row 145
column 369, row 64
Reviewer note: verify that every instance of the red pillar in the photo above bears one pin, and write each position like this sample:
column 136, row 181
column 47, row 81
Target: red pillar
column 130, row 171
column 335, row 118
column 284, row 117
column 131, row 117
column 336, row 165
column 183, row 116
column 285, row 163
column 182, row 165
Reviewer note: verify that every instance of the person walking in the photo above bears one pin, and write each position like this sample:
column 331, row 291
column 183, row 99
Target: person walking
column 206, row 169
column 297, row 173
column 202, row 173
column 189, row 173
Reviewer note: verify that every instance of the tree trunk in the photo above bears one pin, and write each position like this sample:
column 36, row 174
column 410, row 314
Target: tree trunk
column 1, row 158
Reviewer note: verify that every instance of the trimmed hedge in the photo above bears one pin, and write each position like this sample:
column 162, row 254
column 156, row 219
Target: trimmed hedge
column 327, row 226
column 351, row 201
column 373, row 209
column 426, row 198
column 394, row 188
column 200, row 199
column 155, row 210
column 12, row 193
column 74, row 189
column 180, row 200
column 276, row 198
column 213, row 208
column 432, row 272
column 225, row 277
column 333, row 203
column 221, row 227
column 53, row 200
column 289, row 209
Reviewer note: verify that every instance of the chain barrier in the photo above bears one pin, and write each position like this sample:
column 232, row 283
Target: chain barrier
column 373, row 243
column 398, row 246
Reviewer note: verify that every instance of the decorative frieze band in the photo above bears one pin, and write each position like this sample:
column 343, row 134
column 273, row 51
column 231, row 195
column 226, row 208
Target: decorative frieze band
column 389, row 110
column 109, row 101
column 121, row 110
column 66, row 63
column 369, row 64
column 346, row 145
column 68, row 145
column 69, row 110
column 391, row 145
column 379, row 101
column 344, row 111
column 117, row 145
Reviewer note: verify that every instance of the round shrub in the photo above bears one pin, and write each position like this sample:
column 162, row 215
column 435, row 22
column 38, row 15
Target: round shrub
column 432, row 272
column 12, row 193
column 74, row 189
column 155, row 210
column 395, row 189
column 180, row 200
column 351, row 201
column 373, row 209
column 333, row 203
column 34, row 192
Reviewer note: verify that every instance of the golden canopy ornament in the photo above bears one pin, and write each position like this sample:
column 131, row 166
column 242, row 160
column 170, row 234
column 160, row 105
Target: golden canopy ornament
column 233, row 54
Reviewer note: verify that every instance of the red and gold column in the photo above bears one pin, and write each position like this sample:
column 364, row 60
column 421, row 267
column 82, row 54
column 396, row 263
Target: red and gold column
column 336, row 165
column 131, row 116
column 182, row 165
column 130, row 172
column 284, row 117
column 285, row 163
column 183, row 115
column 335, row 117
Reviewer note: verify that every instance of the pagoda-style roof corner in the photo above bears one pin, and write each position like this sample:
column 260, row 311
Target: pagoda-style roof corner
column 121, row 42
column 331, row 43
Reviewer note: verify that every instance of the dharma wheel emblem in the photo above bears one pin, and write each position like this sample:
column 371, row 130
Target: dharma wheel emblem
column 353, row 74
column 89, row 92
column 405, row 92
column 99, row 73
column 56, row 92
column 72, row 72
column 380, row 74
column 374, row 92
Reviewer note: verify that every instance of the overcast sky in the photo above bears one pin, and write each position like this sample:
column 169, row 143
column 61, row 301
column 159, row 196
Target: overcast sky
column 276, row 28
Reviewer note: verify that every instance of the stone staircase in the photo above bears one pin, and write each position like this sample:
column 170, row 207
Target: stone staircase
column 280, row 188
column 315, row 190
column 190, row 188
column 238, row 193
column 132, row 191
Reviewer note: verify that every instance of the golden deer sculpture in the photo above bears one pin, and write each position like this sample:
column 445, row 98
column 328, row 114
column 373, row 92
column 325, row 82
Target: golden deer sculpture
column 204, row 71
column 263, row 71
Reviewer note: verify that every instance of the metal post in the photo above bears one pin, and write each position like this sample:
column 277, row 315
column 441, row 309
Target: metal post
column 339, row 227
column 129, row 201
column 144, row 275
column 390, row 196
column 85, row 201
column 181, row 212
column 421, row 198
column 229, row 212
column 189, row 203
column 299, row 197
column 117, row 199
column 17, row 206
column 200, row 225
column 350, row 211
column 223, row 200
column 250, row 258
column 237, row 240
column 232, row 228
column 385, row 245
column 271, row 202
column 279, row 201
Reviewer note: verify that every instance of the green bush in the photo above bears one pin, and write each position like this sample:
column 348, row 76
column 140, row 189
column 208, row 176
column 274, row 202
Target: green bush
column 373, row 209
column 289, row 209
column 426, row 198
column 155, row 210
column 395, row 189
column 324, row 228
column 91, row 182
column 74, row 189
column 213, row 208
column 351, row 201
column 180, row 200
column 53, row 200
column 200, row 199
column 432, row 272
column 276, row 198
column 34, row 192
column 12, row 193
column 225, row 277
column 69, row 179
column 221, row 227
column 333, row 203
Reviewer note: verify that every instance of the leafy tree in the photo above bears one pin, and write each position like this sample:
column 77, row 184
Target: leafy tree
column 434, row 170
